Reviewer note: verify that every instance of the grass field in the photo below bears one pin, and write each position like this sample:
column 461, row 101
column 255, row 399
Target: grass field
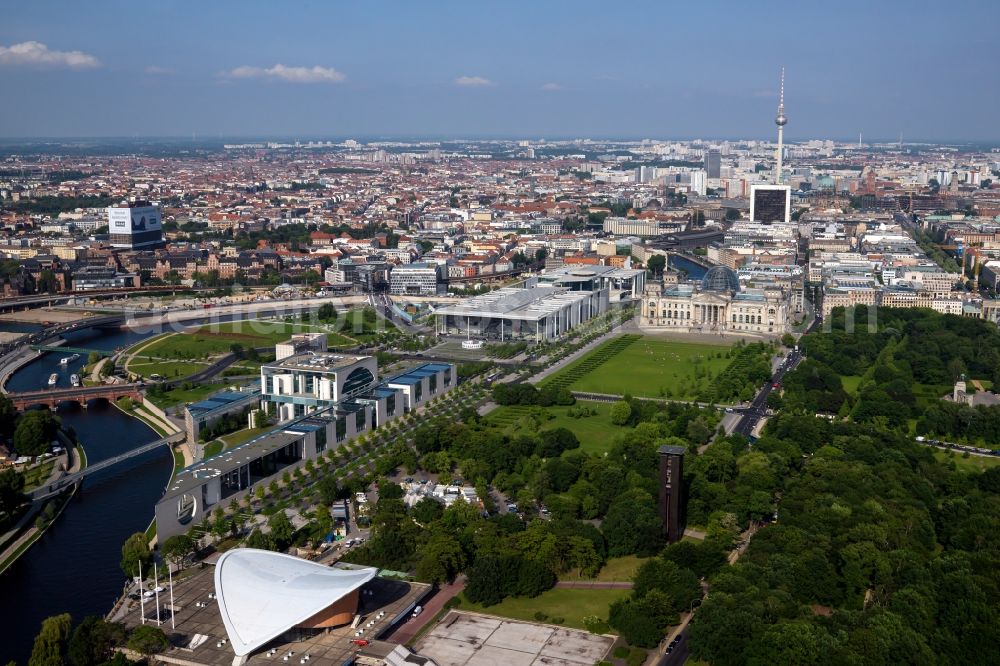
column 594, row 432
column 970, row 464
column 928, row 393
column 213, row 448
column 215, row 339
column 38, row 474
column 850, row 383
column 232, row 440
column 645, row 367
column 615, row 570
column 571, row 605
column 168, row 369
column 182, row 396
column 245, row 435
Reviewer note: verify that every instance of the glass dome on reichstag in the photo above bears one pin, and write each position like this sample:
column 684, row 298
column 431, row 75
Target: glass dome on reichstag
column 720, row 278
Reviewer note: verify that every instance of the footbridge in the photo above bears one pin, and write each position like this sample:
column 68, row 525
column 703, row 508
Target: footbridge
column 74, row 350
column 57, row 486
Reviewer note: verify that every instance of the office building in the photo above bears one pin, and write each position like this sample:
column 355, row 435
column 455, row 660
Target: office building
column 206, row 413
column 697, row 180
column 322, row 400
column 135, row 226
column 93, row 278
column 713, row 163
column 771, row 203
column 624, row 226
column 420, row 279
column 534, row 314
column 299, row 344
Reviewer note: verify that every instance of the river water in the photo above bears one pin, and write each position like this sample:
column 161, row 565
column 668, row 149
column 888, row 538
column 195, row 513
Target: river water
column 74, row 568
column 693, row 270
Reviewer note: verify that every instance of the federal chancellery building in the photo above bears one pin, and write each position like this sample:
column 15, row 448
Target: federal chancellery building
column 716, row 304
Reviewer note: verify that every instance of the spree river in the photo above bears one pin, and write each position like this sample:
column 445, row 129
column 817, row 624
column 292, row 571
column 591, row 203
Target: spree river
column 693, row 270
column 74, row 568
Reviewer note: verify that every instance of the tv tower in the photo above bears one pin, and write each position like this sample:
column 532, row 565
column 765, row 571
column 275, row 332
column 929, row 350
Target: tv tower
column 781, row 120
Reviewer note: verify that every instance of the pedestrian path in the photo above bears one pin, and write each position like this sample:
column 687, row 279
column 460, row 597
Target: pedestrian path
column 407, row 630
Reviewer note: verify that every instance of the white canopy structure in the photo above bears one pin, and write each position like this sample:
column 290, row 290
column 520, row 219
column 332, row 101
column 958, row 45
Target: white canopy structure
column 263, row 594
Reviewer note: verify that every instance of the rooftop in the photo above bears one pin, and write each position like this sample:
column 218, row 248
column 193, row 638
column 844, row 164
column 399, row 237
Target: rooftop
column 200, row 628
column 221, row 400
column 319, row 361
column 533, row 303
column 466, row 639
column 262, row 594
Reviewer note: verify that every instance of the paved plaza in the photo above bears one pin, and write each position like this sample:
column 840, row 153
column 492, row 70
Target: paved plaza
column 470, row 639
column 200, row 637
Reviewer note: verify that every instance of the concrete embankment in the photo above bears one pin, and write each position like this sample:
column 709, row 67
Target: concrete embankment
column 15, row 362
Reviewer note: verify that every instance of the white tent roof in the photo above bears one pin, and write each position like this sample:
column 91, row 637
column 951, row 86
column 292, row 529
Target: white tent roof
column 263, row 594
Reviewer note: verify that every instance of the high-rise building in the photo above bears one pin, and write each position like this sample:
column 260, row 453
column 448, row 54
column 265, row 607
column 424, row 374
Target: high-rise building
column 697, row 180
column 713, row 163
column 770, row 203
column 135, row 226
column 672, row 491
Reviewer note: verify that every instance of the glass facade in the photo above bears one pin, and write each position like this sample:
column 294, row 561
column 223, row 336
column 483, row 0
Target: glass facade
column 769, row 205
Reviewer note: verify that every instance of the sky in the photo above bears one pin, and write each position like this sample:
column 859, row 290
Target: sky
column 536, row 69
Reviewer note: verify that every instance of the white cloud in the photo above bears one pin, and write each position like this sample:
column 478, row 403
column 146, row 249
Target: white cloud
column 153, row 69
column 281, row 72
column 36, row 53
column 552, row 87
column 473, row 81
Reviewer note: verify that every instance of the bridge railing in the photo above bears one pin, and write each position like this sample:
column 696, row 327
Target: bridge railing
column 60, row 484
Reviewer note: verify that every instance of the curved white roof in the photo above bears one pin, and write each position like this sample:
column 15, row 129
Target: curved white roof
column 262, row 594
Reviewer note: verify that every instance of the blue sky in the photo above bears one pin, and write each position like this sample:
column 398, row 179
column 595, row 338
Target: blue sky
column 547, row 68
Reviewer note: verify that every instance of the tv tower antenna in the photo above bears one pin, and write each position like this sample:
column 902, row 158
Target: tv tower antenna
column 781, row 120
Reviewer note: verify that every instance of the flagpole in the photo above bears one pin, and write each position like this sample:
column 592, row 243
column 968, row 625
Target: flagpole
column 156, row 590
column 142, row 596
column 170, row 574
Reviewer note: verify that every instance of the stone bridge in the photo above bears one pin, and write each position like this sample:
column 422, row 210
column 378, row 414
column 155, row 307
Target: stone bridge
column 82, row 394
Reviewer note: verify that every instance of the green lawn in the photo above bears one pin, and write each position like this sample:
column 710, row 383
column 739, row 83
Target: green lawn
column 244, row 435
column 850, row 383
column 646, row 367
column 970, row 464
column 594, row 432
column 215, row 339
column 168, row 369
column 38, row 474
column 615, row 570
column 178, row 461
column 182, row 396
column 930, row 393
column 213, row 448
column 571, row 605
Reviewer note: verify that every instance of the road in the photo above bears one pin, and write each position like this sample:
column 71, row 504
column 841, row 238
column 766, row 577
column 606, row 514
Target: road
column 678, row 652
column 405, row 631
column 758, row 407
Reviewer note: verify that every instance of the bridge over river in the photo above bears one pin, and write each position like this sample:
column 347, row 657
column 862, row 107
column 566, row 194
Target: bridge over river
column 80, row 394
column 57, row 486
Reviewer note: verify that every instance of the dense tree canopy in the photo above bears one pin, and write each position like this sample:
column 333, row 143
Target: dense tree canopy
column 51, row 642
column 881, row 555
column 136, row 556
column 35, row 432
